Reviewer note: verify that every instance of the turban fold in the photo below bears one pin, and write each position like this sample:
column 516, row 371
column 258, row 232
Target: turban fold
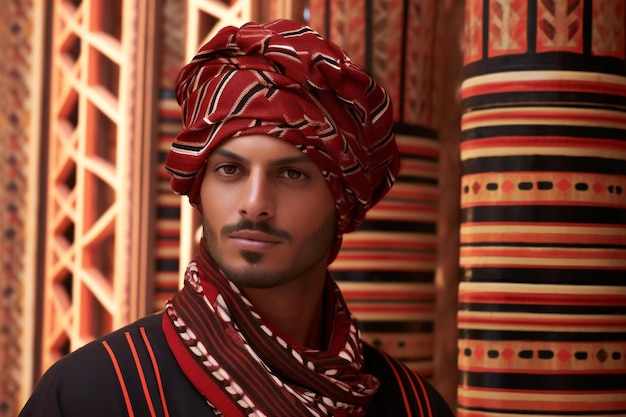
column 284, row 80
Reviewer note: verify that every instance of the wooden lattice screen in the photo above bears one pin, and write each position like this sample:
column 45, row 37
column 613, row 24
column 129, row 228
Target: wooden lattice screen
column 100, row 168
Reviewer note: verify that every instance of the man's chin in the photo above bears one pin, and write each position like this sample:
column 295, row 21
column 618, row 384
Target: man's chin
column 251, row 257
column 251, row 275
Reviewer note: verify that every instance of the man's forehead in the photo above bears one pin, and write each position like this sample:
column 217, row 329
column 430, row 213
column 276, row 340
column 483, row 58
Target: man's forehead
column 274, row 151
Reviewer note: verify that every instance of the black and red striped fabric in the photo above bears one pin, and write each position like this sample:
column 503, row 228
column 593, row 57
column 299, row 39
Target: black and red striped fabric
column 283, row 79
column 132, row 373
column 542, row 295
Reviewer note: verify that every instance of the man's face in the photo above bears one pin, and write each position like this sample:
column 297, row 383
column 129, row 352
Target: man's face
column 268, row 214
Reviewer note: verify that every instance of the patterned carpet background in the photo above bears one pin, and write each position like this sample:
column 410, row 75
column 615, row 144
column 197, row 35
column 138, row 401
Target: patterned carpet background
column 15, row 55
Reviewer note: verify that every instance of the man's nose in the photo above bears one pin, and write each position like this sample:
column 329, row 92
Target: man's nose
column 257, row 199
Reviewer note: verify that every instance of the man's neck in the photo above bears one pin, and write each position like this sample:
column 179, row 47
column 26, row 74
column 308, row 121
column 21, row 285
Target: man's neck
column 296, row 309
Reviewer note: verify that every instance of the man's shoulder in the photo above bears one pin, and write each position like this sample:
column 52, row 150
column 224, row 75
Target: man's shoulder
column 105, row 346
column 91, row 379
column 97, row 346
column 402, row 389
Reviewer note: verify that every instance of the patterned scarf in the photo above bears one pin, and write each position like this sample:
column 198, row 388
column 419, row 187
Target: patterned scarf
column 243, row 367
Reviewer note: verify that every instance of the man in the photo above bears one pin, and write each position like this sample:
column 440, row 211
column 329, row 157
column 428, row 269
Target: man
column 286, row 144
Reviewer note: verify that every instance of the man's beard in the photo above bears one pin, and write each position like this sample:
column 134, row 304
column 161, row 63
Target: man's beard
column 253, row 275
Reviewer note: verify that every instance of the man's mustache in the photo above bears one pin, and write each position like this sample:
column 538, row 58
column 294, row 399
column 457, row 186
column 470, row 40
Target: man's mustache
column 263, row 227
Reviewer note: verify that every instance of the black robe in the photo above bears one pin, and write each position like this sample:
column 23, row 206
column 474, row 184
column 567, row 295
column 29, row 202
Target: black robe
column 132, row 372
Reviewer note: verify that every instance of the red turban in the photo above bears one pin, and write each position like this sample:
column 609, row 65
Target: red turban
column 283, row 79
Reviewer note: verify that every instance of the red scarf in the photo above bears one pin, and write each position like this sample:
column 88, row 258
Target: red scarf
column 244, row 367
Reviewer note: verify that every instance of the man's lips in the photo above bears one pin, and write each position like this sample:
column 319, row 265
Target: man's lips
column 253, row 240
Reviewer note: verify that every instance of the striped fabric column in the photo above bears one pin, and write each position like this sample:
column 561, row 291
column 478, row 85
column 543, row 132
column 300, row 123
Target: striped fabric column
column 167, row 234
column 542, row 299
column 168, row 229
column 386, row 269
column 18, row 214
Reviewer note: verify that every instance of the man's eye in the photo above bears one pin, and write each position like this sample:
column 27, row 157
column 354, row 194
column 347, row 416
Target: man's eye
column 228, row 169
column 293, row 174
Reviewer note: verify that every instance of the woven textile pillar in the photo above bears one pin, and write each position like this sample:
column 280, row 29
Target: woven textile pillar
column 19, row 185
column 542, row 302
column 386, row 269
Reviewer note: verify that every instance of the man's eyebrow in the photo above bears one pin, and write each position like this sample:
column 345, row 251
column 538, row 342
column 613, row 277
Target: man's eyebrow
column 228, row 154
column 281, row 161
column 291, row 160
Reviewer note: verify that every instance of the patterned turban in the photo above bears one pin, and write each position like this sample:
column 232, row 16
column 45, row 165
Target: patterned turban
column 284, row 80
